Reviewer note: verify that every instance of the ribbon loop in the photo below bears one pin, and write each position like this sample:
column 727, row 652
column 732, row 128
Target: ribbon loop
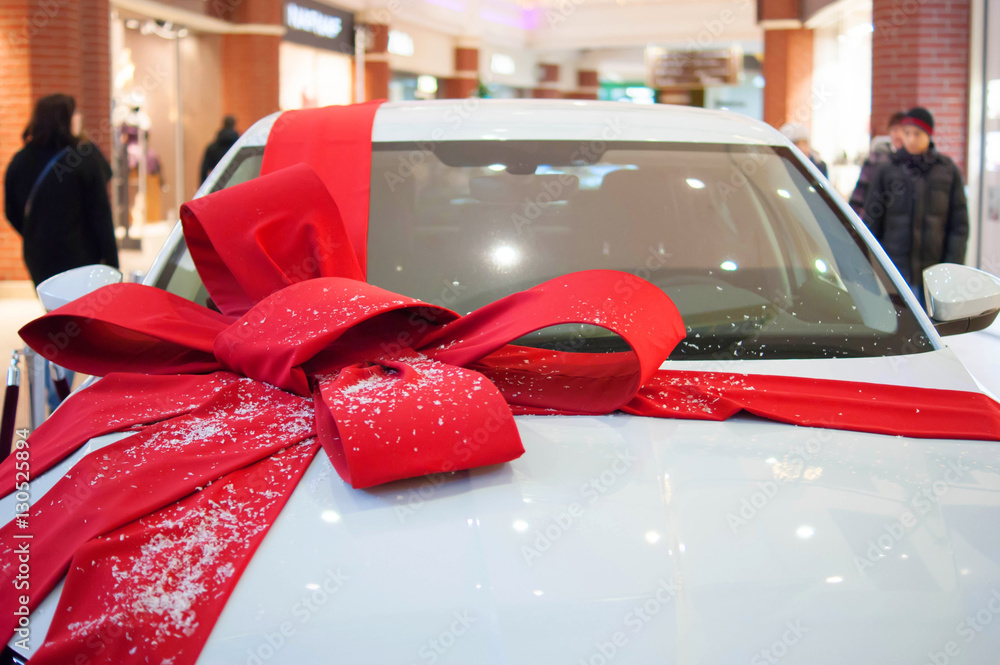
column 128, row 328
column 642, row 314
column 251, row 240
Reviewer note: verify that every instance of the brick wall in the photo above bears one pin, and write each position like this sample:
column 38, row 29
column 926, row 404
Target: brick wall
column 95, row 72
column 920, row 56
column 15, row 105
column 250, row 78
column 49, row 46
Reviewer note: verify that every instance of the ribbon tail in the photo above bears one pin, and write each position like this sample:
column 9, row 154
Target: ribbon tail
column 153, row 590
column 133, row 477
column 846, row 405
column 411, row 416
column 115, row 403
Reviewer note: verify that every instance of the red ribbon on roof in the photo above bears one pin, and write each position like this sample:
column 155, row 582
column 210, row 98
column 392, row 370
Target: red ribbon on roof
column 227, row 409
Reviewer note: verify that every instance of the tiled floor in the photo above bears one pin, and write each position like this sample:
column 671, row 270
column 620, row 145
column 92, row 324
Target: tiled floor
column 19, row 305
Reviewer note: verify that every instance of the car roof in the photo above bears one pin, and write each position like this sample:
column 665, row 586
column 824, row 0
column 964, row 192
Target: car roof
column 557, row 119
column 476, row 119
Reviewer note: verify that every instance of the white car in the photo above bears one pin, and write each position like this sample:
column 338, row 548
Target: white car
column 624, row 539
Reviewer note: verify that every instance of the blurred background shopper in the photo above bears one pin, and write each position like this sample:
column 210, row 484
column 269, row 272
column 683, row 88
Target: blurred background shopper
column 883, row 147
column 56, row 196
column 916, row 205
column 799, row 135
column 217, row 149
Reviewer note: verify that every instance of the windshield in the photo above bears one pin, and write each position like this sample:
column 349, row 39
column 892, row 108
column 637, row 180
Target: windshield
column 758, row 261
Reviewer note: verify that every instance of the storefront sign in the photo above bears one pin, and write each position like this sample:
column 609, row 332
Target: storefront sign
column 692, row 69
column 314, row 24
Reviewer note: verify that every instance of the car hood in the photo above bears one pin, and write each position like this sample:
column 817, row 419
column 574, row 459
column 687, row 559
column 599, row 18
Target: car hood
column 637, row 540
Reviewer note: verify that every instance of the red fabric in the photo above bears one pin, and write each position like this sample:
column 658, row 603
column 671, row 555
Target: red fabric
column 848, row 405
column 344, row 319
column 411, row 416
column 398, row 388
column 336, row 142
column 171, row 569
column 282, row 239
column 115, row 403
column 647, row 320
column 145, row 330
column 242, row 423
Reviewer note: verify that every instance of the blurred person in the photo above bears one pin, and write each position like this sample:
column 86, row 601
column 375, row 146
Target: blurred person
column 56, row 194
column 56, row 197
column 881, row 150
column 799, row 135
column 916, row 205
column 218, row 148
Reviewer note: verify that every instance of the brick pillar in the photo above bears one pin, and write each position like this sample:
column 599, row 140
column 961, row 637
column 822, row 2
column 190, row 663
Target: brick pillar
column 250, row 64
column 788, row 67
column 377, row 72
column 587, row 85
column 548, row 81
column 465, row 82
column 95, row 66
column 920, row 57
column 48, row 48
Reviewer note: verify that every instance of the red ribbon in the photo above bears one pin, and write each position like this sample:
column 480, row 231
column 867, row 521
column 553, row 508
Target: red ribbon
column 232, row 405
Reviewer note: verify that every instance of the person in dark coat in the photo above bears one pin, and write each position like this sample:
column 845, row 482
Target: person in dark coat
column 916, row 205
column 881, row 153
column 799, row 135
column 218, row 148
column 67, row 221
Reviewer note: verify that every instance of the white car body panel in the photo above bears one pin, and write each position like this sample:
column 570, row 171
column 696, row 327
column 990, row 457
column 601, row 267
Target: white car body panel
column 411, row 558
column 744, row 536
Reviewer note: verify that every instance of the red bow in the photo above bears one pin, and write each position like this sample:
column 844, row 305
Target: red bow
column 393, row 378
column 399, row 388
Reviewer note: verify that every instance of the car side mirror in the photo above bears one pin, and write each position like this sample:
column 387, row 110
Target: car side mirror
column 961, row 299
column 67, row 286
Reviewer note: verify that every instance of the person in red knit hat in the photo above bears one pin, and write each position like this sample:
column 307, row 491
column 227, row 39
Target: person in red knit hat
column 916, row 204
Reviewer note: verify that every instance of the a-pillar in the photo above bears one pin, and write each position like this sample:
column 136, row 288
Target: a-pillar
column 465, row 82
column 377, row 71
column 788, row 63
column 920, row 57
column 250, row 84
column 548, row 82
column 50, row 47
column 587, row 85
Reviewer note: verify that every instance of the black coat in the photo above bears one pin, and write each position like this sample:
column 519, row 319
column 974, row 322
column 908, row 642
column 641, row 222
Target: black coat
column 881, row 154
column 916, row 208
column 217, row 149
column 70, row 223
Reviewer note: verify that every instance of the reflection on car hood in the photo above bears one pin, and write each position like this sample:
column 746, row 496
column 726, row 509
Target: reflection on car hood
column 622, row 539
